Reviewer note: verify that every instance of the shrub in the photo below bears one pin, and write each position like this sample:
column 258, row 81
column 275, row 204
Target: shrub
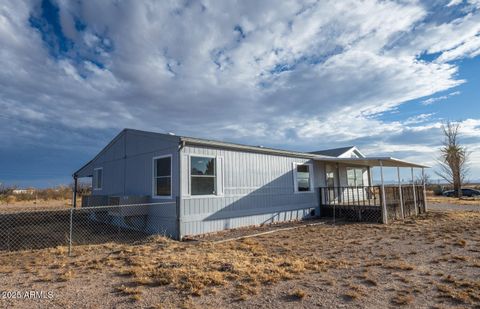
column 298, row 294
column 437, row 190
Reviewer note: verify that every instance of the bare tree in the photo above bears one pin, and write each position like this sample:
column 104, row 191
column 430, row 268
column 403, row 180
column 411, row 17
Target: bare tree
column 424, row 178
column 454, row 158
column 82, row 188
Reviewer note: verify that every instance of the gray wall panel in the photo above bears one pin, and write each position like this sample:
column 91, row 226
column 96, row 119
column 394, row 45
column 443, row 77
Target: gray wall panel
column 127, row 171
column 128, row 163
column 258, row 188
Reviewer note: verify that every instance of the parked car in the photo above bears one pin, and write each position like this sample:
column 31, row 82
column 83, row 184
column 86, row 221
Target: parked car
column 465, row 192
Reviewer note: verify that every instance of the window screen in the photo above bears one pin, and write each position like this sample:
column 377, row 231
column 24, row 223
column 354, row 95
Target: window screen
column 163, row 176
column 202, row 173
column 97, row 178
column 303, row 177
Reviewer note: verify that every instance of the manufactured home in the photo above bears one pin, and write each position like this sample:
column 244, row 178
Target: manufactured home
column 191, row 186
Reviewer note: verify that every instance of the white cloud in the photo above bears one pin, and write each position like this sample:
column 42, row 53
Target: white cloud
column 297, row 73
column 454, row 2
column 455, row 39
column 469, row 48
column 430, row 101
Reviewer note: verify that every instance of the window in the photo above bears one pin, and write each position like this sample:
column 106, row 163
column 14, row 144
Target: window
column 355, row 177
column 97, row 178
column 202, row 174
column 162, row 176
column 303, row 179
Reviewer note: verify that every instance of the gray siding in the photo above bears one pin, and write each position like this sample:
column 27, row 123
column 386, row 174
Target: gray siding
column 140, row 151
column 128, row 164
column 257, row 189
column 128, row 171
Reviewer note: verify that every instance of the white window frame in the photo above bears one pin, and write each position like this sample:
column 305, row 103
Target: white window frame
column 95, row 179
column 154, row 178
column 310, row 180
column 190, row 175
column 355, row 168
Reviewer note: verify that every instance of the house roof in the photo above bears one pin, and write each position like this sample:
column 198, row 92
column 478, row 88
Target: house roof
column 365, row 161
column 329, row 155
column 334, row 152
column 261, row 149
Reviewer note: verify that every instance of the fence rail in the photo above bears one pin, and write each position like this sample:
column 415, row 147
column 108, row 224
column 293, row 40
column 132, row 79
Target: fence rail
column 365, row 203
column 44, row 228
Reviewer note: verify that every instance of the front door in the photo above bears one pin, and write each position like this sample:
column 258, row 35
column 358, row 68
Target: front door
column 331, row 180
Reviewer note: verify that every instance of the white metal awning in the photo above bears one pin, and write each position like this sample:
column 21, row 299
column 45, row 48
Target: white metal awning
column 374, row 161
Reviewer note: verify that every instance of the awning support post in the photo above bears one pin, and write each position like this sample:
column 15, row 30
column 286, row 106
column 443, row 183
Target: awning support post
column 424, row 189
column 414, row 193
column 384, row 198
column 75, row 184
column 369, row 171
column 400, row 192
column 340, row 200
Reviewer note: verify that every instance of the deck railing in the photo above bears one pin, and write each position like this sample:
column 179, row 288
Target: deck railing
column 351, row 196
column 365, row 203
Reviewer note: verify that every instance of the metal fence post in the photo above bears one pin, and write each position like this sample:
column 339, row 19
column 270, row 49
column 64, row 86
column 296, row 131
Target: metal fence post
column 383, row 197
column 414, row 193
column 424, row 190
column 70, row 233
column 179, row 221
column 400, row 192
column 9, row 235
column 320, row 201
column 334, row 204
column 333, row 214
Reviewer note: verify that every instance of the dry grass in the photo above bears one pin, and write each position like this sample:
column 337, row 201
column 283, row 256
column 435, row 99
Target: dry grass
column 453, row 200
column 211, row 265
column 134, row 294
column 190, row 269
column 354, row 292
column 447, row 291
column 352, row 262
column 13, row 204
column 298, row 294
column 66, row 276
column 402, row 298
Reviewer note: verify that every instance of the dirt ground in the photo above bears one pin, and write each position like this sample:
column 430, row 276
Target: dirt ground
column 432, row 261
column 453, row 207
column 435, row 199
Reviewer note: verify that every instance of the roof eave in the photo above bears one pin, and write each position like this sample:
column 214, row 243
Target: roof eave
column 202, row 142
column 375, row 161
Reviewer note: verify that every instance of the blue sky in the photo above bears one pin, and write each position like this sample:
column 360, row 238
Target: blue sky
column 303, row 75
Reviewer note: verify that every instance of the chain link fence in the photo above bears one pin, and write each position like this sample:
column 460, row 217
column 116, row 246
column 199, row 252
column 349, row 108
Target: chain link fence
column 45, row 228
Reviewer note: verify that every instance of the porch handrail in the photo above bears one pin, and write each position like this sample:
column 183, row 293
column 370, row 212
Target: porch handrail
column 350, row 195
column 363, row 195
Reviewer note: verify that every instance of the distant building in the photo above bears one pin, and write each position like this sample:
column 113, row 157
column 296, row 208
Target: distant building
column 24, row 191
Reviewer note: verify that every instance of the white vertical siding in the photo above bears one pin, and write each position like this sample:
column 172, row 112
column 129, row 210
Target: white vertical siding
column 258, row 188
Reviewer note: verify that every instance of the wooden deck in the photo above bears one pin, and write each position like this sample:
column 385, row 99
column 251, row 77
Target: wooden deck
column 366, row 203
